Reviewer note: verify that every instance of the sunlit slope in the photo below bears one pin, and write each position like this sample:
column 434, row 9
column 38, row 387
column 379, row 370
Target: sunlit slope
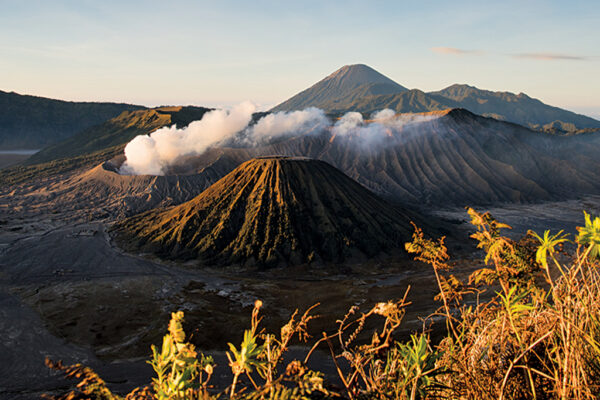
column 271, row 211
column 118, row 131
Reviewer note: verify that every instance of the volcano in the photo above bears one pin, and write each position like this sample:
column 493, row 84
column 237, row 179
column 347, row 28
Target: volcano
column 348, row 83
column 272, row 211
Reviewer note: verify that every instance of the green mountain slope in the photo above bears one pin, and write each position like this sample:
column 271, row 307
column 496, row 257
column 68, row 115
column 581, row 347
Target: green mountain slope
column 31, row 122
column 118, row 131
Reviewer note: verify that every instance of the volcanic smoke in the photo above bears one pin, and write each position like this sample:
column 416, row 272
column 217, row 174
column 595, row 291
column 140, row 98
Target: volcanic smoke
column 153, row 154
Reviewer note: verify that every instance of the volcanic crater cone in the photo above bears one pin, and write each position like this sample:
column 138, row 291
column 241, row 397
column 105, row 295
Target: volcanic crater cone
column 272, row 211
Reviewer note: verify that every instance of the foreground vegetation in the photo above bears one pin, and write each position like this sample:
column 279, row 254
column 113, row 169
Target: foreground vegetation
column 525, row 327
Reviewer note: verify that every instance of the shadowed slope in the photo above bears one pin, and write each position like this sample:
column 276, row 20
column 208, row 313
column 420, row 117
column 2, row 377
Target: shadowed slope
column 33, row 122
column 410, row 101
column 269, row 211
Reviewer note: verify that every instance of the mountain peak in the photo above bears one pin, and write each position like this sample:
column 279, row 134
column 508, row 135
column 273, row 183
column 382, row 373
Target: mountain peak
column 350, row 81
column 358, row 74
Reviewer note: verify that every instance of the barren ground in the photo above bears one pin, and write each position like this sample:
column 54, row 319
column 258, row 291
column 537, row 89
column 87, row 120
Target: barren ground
column 6, row 160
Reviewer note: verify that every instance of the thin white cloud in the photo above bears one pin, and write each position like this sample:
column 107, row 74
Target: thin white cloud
column 454, row 51
column 532, row 56
column 549, row 56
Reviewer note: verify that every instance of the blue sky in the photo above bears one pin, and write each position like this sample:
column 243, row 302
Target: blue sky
column 223, row 52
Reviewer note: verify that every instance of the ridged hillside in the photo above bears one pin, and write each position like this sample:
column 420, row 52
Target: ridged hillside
column 452, row 158
column 272, row 211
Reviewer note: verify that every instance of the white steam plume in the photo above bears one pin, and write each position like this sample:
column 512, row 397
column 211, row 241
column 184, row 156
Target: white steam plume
column 382, row 124
column 151, row 154
column 285, row 123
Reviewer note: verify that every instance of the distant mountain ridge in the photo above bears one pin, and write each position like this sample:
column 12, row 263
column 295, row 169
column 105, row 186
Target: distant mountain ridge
column 361, row 88
column 518, row 108
column 32, row 122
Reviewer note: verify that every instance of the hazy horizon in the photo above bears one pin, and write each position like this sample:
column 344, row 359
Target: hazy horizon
column 198, row 53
